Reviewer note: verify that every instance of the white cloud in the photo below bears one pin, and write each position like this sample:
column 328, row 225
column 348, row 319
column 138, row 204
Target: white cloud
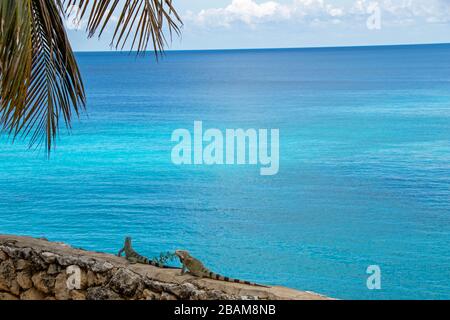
column 246, row 11
column 252, row 13
column 315, row 12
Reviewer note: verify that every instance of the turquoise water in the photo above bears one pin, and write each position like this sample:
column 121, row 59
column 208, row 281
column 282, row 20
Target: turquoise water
column 364, row 167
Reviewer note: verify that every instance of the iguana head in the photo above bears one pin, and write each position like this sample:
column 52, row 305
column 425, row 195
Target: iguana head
column 128, row 241
column 182, row 254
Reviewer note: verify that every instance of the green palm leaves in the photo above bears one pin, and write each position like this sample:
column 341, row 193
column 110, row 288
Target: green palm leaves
column 40, row 83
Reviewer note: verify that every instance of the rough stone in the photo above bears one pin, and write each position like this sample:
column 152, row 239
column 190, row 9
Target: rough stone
column 102, row 293
column 61, row 289
column 167, row 296
column 25, row 253
column 66, row 260
column 24, row 280
column 102, row 267
column 189, row 291
column 48, row 257
column 126, row 282
column 94, row 280
column 185, row 291
column 22, row 264
column 103, row 278
column 44, row 282
column 32, row 294
column 86, row 261
column 84, row 280
column 3, row 256
column 156, row 286
column 7, row 274
column 37, row 262
column 150, row 295
column 7, row 296
column 53, row 269
column 36, row 269
column 15, row 288
column 77, row 295
column 218, row 295
column 91, row 279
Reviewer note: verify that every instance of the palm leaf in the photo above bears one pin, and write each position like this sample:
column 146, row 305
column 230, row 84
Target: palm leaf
column 55, row 89
column 15, row 58
column 145, row 20
column 40, row 82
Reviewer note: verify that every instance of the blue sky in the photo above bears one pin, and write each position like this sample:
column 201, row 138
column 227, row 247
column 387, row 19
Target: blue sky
column 227, row 24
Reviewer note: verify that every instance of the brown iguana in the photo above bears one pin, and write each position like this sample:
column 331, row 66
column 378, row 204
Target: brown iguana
column 134, row 257
column 197, row 269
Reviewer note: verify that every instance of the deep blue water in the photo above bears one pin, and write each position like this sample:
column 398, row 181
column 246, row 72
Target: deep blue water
column 364, row 171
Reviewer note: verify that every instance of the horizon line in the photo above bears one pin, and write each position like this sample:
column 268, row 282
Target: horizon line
column 112, row 50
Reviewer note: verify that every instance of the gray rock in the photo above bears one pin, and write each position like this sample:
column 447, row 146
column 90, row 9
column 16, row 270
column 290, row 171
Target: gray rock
column 126, row 282
column 102, row 267
column 78, row 295
column 150, row 295
column 10, row 252
column 167, row 296
column 189, row 291
column 53, row 269
column 183, row 291
column 95, row 280
column 36, row 261
column 86, row 261
column 101, row 293
column 67, row 260
column 3, row 256
column 15, row 288
column 26, row 253
column 61, row 289
column 32, row 294
column 7, row 274
column 44, row 282
column 7, row 296
column 24, row 280
column 22, row 264
column 219, row 295
column 48, row 257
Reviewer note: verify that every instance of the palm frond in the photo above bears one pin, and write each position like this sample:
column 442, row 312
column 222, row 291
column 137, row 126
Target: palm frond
column 50, row 83
column 139, row 22
column 40, row 83
column 56, row 89
column 15, row 58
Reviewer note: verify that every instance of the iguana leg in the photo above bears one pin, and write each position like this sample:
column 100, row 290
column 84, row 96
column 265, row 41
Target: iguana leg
column 121, row 252
column 183, row 269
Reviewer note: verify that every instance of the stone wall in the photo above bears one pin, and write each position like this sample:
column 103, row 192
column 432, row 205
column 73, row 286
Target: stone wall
column 36, row 269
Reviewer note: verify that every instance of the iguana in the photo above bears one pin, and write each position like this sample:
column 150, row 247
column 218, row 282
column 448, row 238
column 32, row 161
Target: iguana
column 197, row 269
column 134, row 257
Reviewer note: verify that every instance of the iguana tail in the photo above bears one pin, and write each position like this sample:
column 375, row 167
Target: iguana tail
column 153, row 263
column 216, row 276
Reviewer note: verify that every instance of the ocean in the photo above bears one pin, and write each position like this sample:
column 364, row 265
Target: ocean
column 364, row 176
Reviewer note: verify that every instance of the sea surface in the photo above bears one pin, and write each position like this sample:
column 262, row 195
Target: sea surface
column 364, row 167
